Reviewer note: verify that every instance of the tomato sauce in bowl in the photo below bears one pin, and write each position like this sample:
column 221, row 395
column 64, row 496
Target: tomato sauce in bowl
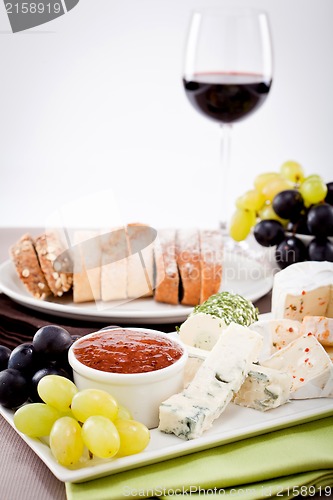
column 127, row 351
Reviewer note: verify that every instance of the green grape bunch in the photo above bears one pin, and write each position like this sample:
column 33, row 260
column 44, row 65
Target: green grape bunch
column 281, row 207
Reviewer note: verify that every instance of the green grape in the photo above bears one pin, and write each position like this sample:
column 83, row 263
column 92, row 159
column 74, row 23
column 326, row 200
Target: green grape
column 100, row 436
column 292, row 171
column 91, row 402
column 66, row 441
column 57, row 391
column 36, row 419
column 313, row 190
column 251, row 200
column 134, row 437
column 241, row 223
column 268, row 213
column 275, row 186
column 124, row 413
column 262, row 179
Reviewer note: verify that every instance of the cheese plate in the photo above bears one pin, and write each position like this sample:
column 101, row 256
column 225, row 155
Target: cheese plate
column 235, row 423
column 241, row 274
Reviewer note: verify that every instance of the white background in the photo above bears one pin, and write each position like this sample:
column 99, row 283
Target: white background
column 92, row 112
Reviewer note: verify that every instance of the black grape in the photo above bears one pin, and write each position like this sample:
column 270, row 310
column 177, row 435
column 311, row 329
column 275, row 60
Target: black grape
column 14, row 388
column 320, row 220
column 290, row 251
column 321, row 249
column 288, row 204
column 4, row 357
column 24, row 358
column 329, row 196
column 268, row 232
column 34, row 396
column 52, row 341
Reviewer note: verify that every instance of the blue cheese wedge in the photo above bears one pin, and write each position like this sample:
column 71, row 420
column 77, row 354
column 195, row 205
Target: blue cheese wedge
column 204, row 326
column 191, row 412
column 264, row 389
column 321, row 327
column 303, row 289
column 309, row 365
column 277, row 333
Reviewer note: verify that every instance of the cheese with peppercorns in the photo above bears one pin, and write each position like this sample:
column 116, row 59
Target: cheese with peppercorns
column 321, row 327
column 277, row 333
column 303, row 289
column 309, row 365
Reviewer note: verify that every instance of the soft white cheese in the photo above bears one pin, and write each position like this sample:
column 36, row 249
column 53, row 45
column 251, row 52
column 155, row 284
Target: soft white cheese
column 220, row 376
column 303, row 289
column 309, row 365
column 201, row 330
column 264, row 388
column 321, row 327
column 277, row 333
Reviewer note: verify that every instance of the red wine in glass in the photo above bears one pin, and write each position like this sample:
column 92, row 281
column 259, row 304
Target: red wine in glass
column 226, row 97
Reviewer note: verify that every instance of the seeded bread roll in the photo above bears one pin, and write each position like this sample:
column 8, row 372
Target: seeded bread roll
column 188, row 261
column 167, row 276
column 27, row 266
column 48, row 247
column 211, row 256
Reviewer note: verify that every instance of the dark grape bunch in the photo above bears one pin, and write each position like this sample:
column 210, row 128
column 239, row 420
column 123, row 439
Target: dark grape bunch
column 23, row 367
column 282, row 207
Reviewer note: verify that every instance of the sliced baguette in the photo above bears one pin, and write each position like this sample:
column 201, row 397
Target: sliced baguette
column 140, row 263
column 87, row 266
column 166, row 270
column 114, row 260
column 188, row 261
column 211, row 258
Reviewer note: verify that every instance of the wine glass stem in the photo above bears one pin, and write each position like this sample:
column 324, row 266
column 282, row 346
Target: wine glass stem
column 225, row 176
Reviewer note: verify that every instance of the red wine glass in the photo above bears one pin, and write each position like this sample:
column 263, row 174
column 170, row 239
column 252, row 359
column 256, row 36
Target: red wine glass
column 227, row 72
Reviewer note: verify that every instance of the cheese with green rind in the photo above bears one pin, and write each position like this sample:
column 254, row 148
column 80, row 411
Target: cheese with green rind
column 230, row 307
column 204, row 326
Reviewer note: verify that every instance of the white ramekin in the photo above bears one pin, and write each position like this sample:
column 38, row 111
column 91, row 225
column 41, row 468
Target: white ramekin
column 140, row 393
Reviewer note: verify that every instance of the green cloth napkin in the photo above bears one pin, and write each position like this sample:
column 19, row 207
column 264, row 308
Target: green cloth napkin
column 274, row 464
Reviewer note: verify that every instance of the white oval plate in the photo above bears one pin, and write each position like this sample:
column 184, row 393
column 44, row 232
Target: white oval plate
column 242, row 275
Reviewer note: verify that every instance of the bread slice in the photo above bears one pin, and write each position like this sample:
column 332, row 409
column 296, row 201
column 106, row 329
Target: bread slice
column 87, row 266
column 114, row 246
column 166, row 270
column 25, row 260
column 140, row 263
column 211, row 258
column 188, row 261
column 49, row 246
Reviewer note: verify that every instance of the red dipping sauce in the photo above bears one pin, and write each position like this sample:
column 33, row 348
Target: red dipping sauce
column 127, row 351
